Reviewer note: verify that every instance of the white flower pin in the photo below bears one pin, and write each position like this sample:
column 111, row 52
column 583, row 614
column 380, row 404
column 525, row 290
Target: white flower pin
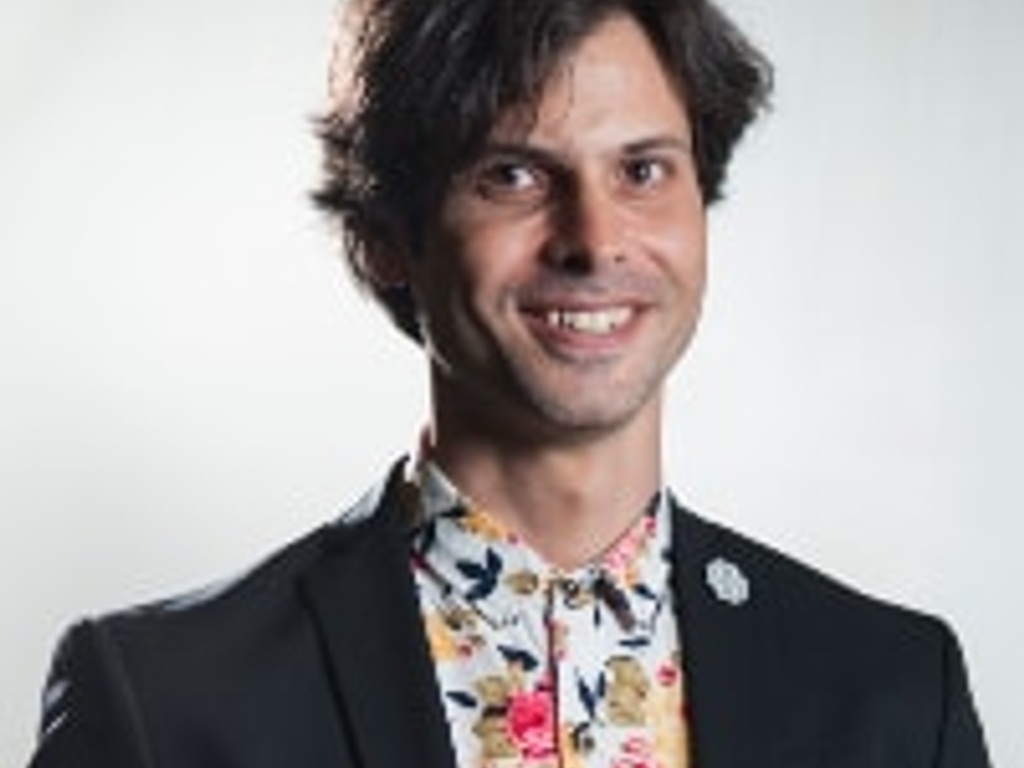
column 727, row 581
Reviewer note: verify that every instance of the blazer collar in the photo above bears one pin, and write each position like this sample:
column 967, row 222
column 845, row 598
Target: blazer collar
column 363, row 599
column 731, row 648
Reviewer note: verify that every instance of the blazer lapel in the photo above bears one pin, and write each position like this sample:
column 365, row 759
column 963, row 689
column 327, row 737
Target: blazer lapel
column 363, row 597
column 730, row 649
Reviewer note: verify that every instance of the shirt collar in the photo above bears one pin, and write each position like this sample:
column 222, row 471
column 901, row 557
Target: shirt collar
column 489, row 566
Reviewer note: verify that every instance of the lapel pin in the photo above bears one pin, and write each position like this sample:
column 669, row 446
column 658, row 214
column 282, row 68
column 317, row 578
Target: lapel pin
column 727, row 582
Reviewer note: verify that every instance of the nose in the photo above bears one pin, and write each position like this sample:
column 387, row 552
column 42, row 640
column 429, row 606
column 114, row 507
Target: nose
column 588, row 231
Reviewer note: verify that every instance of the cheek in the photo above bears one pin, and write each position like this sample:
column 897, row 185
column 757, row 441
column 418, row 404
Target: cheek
column 494, row 260
column 679, row 239
column 461, row 285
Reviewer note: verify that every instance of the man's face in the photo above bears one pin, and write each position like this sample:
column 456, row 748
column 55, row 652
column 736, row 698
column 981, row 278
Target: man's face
column 563, row 276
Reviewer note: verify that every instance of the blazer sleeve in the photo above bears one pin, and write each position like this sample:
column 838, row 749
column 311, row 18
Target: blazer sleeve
column 89, row 716
column 961, row 741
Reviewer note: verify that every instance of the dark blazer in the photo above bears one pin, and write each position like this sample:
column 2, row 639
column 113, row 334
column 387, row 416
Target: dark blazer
column 317, row 659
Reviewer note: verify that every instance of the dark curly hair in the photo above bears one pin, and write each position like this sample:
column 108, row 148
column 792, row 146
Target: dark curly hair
column 427, row 80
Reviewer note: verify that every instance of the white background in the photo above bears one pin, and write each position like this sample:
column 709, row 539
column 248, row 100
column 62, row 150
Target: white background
column 187, row 380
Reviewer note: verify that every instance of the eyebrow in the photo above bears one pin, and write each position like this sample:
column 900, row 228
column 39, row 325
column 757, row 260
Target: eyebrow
column 543, row 156
column 659, row 143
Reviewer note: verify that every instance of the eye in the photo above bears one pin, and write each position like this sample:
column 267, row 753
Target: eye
column 644, row 172
column 511, row 180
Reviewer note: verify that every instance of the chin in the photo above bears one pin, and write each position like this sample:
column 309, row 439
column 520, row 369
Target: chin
column 582, row 417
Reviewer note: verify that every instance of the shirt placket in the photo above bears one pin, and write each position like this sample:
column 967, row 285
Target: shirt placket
column 575, row 660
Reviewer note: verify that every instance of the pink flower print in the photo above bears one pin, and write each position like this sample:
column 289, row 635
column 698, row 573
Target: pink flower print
column 531, row 724
column 667, row 674
column 636, row 753
column 621, row 559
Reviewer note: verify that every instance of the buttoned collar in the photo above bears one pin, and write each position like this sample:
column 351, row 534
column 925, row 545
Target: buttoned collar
column 501, row 577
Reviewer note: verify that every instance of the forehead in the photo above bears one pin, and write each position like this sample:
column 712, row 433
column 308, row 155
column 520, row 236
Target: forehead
column 611, row 78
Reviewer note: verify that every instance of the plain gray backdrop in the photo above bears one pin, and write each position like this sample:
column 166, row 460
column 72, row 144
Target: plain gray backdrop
column 187, row 380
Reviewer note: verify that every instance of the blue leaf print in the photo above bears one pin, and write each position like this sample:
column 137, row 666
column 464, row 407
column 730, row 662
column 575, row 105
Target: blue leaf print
column 645, row 592
column 494, row 562
column 484, row 576
column 462, row 698
column 590, row 697
column 471, row 570
column 524, row 659
column 635, row 642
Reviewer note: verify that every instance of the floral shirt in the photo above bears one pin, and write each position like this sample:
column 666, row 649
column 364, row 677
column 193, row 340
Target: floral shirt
column 541, row 668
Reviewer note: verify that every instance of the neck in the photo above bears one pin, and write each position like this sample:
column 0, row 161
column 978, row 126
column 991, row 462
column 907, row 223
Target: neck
column 569, row 501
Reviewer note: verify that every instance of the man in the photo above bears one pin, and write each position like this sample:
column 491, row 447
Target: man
column 523, row 185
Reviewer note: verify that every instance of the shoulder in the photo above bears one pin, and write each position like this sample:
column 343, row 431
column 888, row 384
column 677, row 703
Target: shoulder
column 824, row 624
column 256, row 617
column 839, row 671
column 269, row 587
column 780, row 578
column 234, row 646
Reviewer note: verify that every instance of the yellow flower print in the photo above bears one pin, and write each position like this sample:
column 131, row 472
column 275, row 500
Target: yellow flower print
column 495, row 742
column 477, row 521
column 494, row 691
column 460, row 619
column 573, row 756
column 443, row 645
column 665, row 713
column 516, row 677
column 524, row 582
column 628, row 689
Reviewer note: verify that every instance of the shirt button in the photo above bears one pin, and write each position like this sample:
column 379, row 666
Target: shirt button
column 576, row 595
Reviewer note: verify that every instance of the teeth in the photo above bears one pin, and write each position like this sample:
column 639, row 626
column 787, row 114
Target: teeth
column 594, row 321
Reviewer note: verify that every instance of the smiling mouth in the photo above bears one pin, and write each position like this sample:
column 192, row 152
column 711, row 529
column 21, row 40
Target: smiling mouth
column 594, row 322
